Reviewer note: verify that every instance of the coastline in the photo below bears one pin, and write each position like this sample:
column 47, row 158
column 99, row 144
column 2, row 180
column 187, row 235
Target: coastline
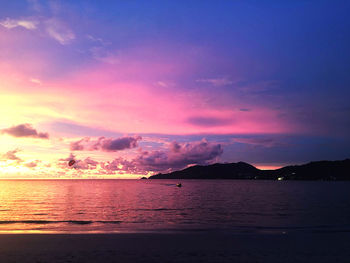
column 179, row 247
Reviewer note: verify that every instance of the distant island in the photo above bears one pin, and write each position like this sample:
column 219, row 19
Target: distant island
column 322, row 170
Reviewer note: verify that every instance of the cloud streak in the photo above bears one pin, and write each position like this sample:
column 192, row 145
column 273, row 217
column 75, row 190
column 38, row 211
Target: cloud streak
column 204, row 121
column 261, row 141
column 217, row 82
column 103, row 55
column 59, row 31
column 25, row 23
column 54, row 27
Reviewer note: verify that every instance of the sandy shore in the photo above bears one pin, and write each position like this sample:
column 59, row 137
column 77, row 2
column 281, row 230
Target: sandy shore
column 189, row 247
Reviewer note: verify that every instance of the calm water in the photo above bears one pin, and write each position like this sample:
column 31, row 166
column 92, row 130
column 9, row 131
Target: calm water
column 158, row 205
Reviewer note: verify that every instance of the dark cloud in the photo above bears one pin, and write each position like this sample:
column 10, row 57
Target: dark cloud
column 25, row 130
column 180, row 156
column 175, row 147
column 119, row 144
column 244, row 109
column 105, row 144
column 11, row 155
column 208, row 121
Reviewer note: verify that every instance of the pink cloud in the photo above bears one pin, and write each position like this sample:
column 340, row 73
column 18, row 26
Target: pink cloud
column 32, row 164
column 79, row 145
column 120, row 165
column 11, row 155
column 86, row 164
column 80, row 164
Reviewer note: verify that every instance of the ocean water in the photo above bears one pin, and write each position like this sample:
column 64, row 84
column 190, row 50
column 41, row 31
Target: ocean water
column 112, row 206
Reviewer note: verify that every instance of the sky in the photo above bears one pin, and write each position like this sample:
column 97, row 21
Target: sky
column 134, row 88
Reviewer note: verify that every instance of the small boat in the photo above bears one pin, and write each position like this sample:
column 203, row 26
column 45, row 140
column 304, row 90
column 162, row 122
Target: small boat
column 280, row 178
column 178, row 185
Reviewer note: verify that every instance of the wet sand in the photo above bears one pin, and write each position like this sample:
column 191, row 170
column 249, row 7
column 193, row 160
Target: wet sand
column 182, row 247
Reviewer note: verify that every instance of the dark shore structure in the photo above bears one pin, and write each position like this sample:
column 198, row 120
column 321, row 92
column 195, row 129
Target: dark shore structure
column 322, row 170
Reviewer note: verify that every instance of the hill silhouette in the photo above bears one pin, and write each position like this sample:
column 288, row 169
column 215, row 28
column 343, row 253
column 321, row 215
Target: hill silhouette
column 321, row 170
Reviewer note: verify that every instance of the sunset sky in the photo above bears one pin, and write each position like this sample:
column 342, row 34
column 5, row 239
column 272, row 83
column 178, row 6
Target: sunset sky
column 132, row 88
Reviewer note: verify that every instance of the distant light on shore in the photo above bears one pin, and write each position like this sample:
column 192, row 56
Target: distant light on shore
column 268, row 167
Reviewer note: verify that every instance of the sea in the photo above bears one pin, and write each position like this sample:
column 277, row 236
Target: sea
column 133, row 206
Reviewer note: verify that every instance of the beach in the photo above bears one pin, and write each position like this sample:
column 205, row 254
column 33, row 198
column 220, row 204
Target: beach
column 175, row 247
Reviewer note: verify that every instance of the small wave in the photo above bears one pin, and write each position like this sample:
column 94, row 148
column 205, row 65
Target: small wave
column 40, row 214
column 162, row 209
column 78, row 222
column 109, row 222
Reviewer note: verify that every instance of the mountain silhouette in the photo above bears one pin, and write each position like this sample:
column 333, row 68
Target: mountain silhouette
column 321, row 170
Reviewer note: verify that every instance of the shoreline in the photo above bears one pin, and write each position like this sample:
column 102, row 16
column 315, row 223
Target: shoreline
column 179, row 247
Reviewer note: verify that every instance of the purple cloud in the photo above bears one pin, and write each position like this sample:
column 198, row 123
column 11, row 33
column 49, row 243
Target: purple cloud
column 86, row 164
column 105, row 144
column 25, row 130
column 177, row 157
column 111, row 145
column 78, row 145
column 121, row 165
